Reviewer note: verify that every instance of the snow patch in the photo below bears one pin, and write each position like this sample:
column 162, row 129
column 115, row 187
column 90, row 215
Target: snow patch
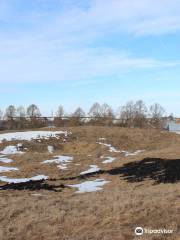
column 127, row 154
column 37, row 194
column 63, row 160
column 114, row 150
column 21, row 180
column 111, row 148
column 90, row 186
column 93, row 168
column 108, row 159
column 62, row 166
column 11, row 150
column 3, row 159
column 50, row 149
column 19, row 145
column 29, row 135
column 7, row 169
column 102, row 139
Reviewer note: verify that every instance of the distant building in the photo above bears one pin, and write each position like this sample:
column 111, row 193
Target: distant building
column 172, row 126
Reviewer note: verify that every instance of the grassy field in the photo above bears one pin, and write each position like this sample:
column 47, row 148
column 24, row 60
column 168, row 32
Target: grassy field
column 143, row 188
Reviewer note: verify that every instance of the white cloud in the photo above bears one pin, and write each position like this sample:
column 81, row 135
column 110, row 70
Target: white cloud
column 84, row 63
column 42, row 45
column 133, row 16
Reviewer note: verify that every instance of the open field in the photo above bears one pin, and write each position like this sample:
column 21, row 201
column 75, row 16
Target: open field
column 132, row 179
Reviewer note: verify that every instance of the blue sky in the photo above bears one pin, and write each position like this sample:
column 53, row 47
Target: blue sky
column 77, row 52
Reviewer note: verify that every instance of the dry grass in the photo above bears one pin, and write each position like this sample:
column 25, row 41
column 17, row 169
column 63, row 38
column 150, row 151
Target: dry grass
column 112, row 213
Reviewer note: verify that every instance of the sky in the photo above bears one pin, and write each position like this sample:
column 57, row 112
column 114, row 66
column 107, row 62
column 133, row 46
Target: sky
column 77, row 52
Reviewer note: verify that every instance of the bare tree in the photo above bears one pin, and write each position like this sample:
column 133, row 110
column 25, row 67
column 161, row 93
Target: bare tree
column 95, row 110
column 33, row 111
column 79, row 113
column 60, row 112
column 140, row 111
column 10, row 112
column 140, row 107
column 156, row 113
column 21, row 113
column 127, row 114
column 106, row 111
column 77, row 116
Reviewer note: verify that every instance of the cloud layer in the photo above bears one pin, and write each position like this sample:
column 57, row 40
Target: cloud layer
column 55, row 40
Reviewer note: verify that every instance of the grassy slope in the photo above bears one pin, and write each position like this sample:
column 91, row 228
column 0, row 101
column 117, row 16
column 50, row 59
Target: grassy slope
column 112, row 213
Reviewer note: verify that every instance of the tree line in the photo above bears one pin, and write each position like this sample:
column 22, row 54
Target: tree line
column 132, row 114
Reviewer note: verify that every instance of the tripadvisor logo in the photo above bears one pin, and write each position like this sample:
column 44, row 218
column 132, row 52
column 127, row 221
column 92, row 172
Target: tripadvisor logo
column 139, row 231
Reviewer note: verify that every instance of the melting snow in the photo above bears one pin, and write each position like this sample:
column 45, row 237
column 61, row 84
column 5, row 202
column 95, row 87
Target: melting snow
column 7, row 169
column 5, row 160
column 11, row 150
column 108, row 159
column 50, row 149
column 21, row 180
column 63, row 166
column 111, row 149
column 37, row 194
column 63, row 160
column 29, row 135
column 93, row 168
column 126, row 154
column 19, row 145
column 89, row 186
column 102, row 139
